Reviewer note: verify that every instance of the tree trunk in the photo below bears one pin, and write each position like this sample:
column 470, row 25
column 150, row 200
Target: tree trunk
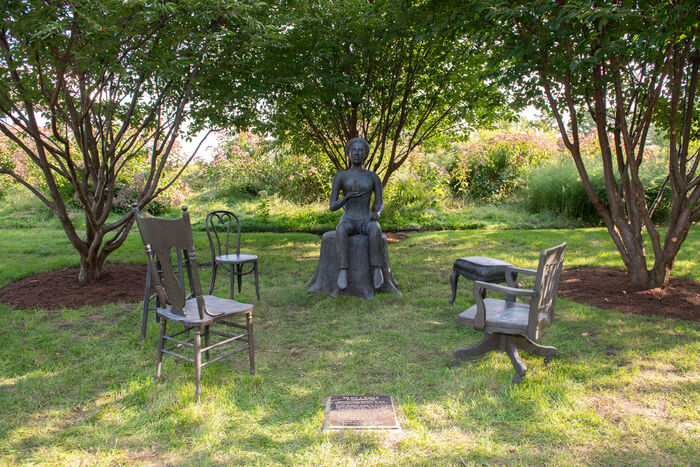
column 91, row 266
column 638, row 273
column 660, row 274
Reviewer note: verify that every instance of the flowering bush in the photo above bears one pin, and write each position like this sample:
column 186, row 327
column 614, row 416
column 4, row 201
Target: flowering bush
column 125, row 194
column 12, row 156
column 492, row 166
column 247, row 163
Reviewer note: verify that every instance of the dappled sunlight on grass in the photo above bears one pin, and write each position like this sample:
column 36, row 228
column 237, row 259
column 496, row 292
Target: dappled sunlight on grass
column 79, row 390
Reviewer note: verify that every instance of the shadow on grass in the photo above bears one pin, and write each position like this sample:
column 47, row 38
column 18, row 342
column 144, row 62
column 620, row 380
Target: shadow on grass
column 75, row 389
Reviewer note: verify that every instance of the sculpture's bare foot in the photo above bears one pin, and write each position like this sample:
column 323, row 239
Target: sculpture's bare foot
column 378, row 277
column 343, row 279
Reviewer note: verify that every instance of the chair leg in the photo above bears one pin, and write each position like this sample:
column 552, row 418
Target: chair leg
column 161, row 341
column 206, row 341
column 146, row 304
column 518, row 364
column 523, row 343
column 257, row 286
column 213, row 277
column 233, row 277
column 251, row 342
column 454, row 278
column 487, row 344
column 239, row 270
column 197, row 361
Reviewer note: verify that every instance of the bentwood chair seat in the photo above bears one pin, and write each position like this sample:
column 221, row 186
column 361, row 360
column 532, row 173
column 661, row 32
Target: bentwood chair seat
column 166, row 239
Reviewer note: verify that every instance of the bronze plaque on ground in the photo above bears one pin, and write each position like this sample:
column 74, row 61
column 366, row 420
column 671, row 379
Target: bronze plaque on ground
column 367, row 412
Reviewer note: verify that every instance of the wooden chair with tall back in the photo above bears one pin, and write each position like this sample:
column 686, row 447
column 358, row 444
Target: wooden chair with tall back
column 162, row 238
column 150, row 300
column 509, row 325
column 220, row 228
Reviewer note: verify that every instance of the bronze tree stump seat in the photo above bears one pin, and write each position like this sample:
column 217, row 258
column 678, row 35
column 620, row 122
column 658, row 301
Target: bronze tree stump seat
column 325, row 277
column 477, row 268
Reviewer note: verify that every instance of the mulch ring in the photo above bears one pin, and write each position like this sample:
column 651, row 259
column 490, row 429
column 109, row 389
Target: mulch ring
column 610, row 289
column 54, row 290
column 124, row 283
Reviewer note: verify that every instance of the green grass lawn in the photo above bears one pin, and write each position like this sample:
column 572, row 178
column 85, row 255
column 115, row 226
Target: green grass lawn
column 77, row 386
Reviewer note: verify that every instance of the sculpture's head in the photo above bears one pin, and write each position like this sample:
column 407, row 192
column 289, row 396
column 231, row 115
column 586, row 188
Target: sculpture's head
column 357, row 150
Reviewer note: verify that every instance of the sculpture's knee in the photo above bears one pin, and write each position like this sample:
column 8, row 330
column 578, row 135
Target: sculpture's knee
column 341, row 230
column 374, row 230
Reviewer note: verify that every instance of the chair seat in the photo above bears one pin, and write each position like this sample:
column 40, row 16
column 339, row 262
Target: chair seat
column 501, row 316
column 219, row 306
column 236, row 259
column 482, row 268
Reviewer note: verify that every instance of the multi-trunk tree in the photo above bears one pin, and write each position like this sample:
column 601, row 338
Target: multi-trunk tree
column 88, row 86
column 629, row 65
column 395, row 72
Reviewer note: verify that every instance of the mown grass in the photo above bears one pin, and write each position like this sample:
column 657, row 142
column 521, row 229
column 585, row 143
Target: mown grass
column 19, row 210
column 76, row 386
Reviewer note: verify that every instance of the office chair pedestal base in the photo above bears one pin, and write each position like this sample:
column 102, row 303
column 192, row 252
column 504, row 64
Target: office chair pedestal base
column 509, row 344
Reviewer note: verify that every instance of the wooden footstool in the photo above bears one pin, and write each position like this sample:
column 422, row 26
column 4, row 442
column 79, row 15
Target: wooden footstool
column 478, row 268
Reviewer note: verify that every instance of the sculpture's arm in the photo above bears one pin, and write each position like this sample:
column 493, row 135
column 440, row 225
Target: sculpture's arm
column 337, row 203
column 378, row 197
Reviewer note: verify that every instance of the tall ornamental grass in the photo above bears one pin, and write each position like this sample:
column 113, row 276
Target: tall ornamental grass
column 555, row 188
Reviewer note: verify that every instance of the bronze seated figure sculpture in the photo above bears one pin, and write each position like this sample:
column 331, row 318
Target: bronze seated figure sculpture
column 354, row 258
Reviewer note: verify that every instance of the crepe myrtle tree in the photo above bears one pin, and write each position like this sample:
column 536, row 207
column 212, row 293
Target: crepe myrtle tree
column 628, row 64
column 396, row 72
column 88, row 86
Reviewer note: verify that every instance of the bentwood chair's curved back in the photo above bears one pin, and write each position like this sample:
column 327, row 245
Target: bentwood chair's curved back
column 221, row 226
column 546, row 283
column 160, row 238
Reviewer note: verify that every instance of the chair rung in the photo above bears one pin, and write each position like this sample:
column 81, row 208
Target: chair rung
column 222, row 333
column 235, row 325
column 187, row 329
column 225, row 341
column 173, row 354
column 180, row 343
column 224, row 355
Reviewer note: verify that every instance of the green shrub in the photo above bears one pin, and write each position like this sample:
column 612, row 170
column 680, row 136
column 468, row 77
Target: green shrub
column 556, row 188
column 245, row 163
column 418, row 188
column 492, row 166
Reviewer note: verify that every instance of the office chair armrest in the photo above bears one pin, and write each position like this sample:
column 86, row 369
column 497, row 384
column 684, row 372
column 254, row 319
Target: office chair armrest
column 479, row 291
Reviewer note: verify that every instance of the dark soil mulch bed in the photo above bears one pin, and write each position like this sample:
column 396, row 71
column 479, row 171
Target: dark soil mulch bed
column 53, row 290
column 610, row 289
column 600, row 287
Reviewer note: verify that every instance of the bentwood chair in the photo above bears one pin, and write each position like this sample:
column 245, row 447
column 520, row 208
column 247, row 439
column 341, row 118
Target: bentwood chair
column 221, row 227
column 509, row 325
column 161, row 239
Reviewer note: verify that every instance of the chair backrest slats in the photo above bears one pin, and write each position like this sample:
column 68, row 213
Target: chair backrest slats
column 546, row 283
column 219, row 229
column 163, row 238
